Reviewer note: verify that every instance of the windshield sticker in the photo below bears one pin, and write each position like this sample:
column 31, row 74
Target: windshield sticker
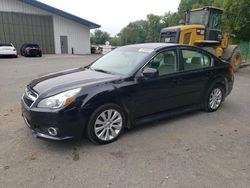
column 145, row 50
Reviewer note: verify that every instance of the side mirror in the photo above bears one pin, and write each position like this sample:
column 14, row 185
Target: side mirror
column 150, row 73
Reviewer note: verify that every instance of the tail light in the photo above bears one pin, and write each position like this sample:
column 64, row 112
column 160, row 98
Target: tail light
column 231, row 69
column 28, row 49
column 14, row 49
column 40, row 49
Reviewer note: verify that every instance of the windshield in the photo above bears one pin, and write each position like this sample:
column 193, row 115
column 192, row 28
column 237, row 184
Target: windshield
column 215, row 21
column 199, row 17
column 32, row 45
column 124, row 60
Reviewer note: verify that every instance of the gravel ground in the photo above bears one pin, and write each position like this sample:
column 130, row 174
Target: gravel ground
column 198, row 149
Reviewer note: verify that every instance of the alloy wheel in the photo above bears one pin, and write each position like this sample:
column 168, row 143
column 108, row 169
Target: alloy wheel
column 108, row 125
column 215, row 98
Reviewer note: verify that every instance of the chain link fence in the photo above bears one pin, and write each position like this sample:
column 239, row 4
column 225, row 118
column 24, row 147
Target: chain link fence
column 245, row 50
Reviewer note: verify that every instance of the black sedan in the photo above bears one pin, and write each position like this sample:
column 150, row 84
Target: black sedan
column 128, row 86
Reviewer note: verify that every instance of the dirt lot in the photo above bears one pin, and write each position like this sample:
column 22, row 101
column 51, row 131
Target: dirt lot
column 193, row 150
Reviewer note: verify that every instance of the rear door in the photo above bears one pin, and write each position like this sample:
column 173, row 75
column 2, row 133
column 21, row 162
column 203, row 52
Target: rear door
column 196, row 71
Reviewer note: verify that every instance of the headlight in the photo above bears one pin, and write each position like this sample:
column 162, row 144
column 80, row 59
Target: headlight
column 59, row 100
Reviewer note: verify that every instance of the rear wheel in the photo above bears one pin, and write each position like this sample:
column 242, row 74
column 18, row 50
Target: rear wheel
column 106, row 124
column 214, row 98
column 236, row 59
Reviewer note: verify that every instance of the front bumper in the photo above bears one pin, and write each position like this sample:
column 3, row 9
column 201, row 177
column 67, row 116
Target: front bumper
column 38, row 134
column 69, row 123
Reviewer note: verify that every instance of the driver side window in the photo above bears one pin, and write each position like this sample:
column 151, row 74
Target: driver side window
column 165, row 62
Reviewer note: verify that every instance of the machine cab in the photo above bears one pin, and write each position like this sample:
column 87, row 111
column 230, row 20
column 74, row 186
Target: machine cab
column 210, row 17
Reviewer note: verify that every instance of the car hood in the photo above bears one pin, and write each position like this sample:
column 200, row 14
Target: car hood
column 52, row 84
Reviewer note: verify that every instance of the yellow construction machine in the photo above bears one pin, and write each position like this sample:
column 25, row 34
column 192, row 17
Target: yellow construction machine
column 202, row 28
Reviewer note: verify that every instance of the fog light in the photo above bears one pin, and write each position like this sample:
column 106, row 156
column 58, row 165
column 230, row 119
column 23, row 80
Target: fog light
column 52, row 131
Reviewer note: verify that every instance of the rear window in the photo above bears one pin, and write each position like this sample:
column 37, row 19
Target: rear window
column 32, row 45
column 196, row 60
column 5, row 45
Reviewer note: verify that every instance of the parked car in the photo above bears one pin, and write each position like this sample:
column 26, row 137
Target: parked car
column 128, row 86
column 31, row 50
column 96, row 49
column 8, row 50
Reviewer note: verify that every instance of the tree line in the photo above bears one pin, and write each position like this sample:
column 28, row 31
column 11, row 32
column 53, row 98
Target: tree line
column 235, row 19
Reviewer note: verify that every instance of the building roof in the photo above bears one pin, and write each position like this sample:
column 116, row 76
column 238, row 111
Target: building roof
column 64, row 14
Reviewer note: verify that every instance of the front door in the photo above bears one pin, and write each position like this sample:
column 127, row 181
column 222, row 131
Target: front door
column 64, row 44
column 158, row 94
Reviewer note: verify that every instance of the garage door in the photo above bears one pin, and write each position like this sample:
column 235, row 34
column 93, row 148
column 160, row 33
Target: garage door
column 19, row 28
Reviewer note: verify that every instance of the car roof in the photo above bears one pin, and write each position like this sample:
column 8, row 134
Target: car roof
column 153, row 46
column 158, row 46
column 31, row 44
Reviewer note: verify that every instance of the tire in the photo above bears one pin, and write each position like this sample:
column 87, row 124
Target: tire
column 101, row 129
column 236, row 59
column 214, row 98
column 40, row 55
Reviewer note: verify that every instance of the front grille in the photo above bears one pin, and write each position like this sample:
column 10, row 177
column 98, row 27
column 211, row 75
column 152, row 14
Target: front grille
column 29, row 97
column 27, row 101
column 169, row 37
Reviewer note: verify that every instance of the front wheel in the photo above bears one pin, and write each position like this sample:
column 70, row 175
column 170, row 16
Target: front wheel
column 214, row 98
column 106, row 124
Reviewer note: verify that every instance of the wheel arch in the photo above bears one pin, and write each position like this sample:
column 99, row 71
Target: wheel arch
column 107, row 96
column 217, row 81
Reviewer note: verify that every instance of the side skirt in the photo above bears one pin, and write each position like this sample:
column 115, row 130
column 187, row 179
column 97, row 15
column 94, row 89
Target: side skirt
column 166, row 114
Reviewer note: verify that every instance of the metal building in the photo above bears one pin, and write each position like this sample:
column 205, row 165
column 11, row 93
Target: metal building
column 56, row 31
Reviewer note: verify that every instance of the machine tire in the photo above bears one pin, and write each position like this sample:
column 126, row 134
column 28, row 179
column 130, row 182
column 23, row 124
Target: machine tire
column 236, row 59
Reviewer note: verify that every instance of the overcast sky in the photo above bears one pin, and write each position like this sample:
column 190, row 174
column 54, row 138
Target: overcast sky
column 113, row 15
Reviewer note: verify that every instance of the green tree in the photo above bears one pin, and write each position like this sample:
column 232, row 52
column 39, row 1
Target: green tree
column 171, row 19
column 189, row 4
column 99, row 37
column 237, row 18
column 154, row 24
column 115, row 41
column 142, row 31
column 134, row 32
